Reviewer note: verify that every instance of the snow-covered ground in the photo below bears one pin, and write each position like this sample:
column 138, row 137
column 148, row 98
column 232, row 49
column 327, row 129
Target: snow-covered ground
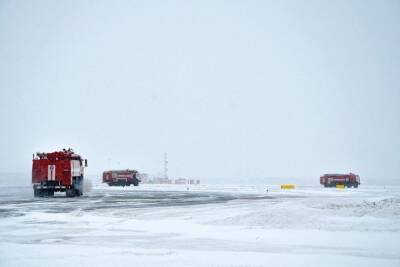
column 205, row 225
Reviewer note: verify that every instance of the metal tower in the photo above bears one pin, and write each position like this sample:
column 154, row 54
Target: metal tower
column 165, row 166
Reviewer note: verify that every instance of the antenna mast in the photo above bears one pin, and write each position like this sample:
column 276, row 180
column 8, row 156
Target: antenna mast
column 165, row 166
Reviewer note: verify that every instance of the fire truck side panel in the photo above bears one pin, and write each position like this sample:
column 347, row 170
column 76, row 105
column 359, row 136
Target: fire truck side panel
column 64, row 172
column 40, row 170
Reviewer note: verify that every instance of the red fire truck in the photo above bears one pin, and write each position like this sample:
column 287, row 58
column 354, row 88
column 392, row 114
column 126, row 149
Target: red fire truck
column 121, row 178
column 60, row 171
column 331, row 180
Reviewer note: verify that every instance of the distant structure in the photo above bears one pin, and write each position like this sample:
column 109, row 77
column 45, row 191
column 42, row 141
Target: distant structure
column 180, row 181
column 160, row 180
column 165, row 166
column 186, row 181
column 164, row 179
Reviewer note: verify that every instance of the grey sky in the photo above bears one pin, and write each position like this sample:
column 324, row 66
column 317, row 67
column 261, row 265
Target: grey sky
column 228, row 88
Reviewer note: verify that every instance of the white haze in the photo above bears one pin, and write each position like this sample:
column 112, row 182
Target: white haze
column 232, row 90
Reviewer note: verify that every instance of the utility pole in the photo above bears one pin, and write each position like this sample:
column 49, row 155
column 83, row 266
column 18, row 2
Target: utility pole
column 165, row 166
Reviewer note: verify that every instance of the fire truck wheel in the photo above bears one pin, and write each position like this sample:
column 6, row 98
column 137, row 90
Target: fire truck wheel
column 41, row 193
column 45, row 193
column 70, row 192
column 48, row 193
column 36, row 192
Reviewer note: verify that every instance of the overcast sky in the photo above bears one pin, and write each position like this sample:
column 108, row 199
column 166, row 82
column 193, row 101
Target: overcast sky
column 244, row 89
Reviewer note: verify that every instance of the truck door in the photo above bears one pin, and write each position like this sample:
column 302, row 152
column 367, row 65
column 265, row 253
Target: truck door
column 76, row 169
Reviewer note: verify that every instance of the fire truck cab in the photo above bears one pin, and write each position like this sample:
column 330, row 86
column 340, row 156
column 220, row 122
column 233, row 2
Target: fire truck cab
column 60, row 171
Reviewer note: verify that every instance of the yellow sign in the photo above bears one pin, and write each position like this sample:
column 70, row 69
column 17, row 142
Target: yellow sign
column 288, row 186
column 340, row 186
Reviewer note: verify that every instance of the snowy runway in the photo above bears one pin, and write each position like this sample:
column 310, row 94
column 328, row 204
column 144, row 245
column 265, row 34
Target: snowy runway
column 202, row 226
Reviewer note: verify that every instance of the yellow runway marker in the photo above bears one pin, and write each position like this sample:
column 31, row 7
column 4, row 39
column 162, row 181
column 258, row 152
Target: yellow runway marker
column 288, row 186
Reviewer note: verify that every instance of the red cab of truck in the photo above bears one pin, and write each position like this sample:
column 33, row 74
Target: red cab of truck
column 121, row 177
column 60, row 171
column 349, row 180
